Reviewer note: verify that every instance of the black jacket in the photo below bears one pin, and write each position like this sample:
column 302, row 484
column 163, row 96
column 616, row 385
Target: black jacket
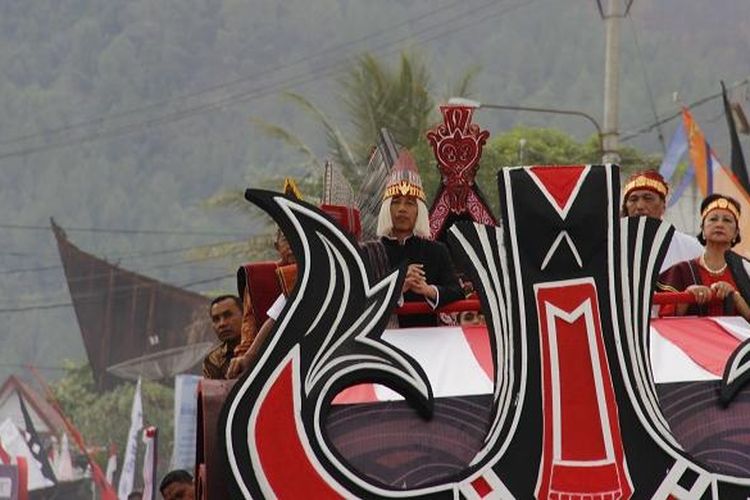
column 438, row 268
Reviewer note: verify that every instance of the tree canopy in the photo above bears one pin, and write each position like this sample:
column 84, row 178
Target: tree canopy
column 104, row 417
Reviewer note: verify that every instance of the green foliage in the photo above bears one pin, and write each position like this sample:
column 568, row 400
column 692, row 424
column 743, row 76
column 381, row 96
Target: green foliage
column 104, row 418
column 339, row 148
column 376, row 96
column 373, row 96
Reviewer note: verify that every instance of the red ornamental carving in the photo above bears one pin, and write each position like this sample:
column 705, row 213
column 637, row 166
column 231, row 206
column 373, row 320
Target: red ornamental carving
column 457, row 144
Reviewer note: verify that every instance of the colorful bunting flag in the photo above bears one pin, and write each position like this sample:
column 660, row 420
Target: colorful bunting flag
column 700, row 155
column 678, row 145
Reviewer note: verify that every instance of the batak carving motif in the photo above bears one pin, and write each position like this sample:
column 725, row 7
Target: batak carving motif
column 457, row 144
column 565, row 285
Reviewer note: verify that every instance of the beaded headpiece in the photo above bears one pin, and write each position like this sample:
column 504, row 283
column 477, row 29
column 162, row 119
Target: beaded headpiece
column 721, row 203
column 649, row 180
column 404, row 179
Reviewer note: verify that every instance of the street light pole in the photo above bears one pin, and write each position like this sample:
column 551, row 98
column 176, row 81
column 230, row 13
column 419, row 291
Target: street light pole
column 611, row 82
column 569, row 112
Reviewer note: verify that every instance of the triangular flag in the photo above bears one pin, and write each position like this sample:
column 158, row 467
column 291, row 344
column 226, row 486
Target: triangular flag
column 35, row 444
column 64, row 464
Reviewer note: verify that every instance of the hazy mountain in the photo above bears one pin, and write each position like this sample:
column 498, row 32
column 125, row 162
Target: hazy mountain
column 129, row 114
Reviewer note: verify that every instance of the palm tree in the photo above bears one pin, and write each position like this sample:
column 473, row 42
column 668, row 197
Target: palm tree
column 377, row 97
column 374, row 96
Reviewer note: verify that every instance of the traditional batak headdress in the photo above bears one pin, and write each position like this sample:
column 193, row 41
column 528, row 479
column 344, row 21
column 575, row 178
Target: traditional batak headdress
column 724, row 203
column 338, row 201
column 719, row 201
column 404, row 180
column 649, row 180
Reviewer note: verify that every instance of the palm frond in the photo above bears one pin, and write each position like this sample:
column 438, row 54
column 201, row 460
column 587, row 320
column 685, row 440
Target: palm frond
column 365, row 91
column 290, row 139
column 464, row 87
column 339, row 146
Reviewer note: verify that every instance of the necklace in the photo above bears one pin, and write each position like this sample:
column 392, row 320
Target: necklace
column 712, row 271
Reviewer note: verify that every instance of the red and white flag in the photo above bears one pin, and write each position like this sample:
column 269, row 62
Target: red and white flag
column 686, row 349
column 150, row 438
column 457, row 361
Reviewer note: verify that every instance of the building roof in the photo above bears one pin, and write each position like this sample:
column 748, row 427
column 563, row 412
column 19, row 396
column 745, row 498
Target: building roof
column 45, row 418
column 124, row 315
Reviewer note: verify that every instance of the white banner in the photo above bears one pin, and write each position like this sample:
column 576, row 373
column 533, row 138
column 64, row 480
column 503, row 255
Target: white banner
column 111, row 465
column 185, row 421
column 128, row 463
column 63, row 462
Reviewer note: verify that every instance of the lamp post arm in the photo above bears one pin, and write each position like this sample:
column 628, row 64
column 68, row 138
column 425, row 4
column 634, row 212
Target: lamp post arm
column 551, row 111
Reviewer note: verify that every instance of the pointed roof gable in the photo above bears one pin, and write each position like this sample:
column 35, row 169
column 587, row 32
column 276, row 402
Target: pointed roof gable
column 44, row 416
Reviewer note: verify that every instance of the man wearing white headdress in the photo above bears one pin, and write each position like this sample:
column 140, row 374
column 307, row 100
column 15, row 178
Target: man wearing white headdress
column 404, row 230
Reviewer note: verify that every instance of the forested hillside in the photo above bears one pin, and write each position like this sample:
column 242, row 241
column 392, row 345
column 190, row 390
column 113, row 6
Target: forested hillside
column 128, row 115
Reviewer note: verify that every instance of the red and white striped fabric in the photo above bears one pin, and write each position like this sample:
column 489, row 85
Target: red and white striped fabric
column 457, row 361
column 692, row 348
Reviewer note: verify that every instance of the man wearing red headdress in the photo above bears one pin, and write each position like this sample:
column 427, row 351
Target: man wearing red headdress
column 645, row 193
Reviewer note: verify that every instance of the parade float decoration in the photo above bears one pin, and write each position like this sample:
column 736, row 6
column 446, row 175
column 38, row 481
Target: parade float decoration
column 457, row 144
column 572, row 411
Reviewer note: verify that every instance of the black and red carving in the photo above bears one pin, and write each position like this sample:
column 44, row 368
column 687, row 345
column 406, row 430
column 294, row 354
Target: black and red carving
column 457, row 144
column 566, row 287
column 325, row 340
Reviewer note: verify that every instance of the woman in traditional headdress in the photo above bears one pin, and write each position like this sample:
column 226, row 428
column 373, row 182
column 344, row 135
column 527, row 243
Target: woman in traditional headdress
column 717, row 272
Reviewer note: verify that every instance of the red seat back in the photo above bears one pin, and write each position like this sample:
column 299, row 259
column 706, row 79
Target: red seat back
column 264, row 286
